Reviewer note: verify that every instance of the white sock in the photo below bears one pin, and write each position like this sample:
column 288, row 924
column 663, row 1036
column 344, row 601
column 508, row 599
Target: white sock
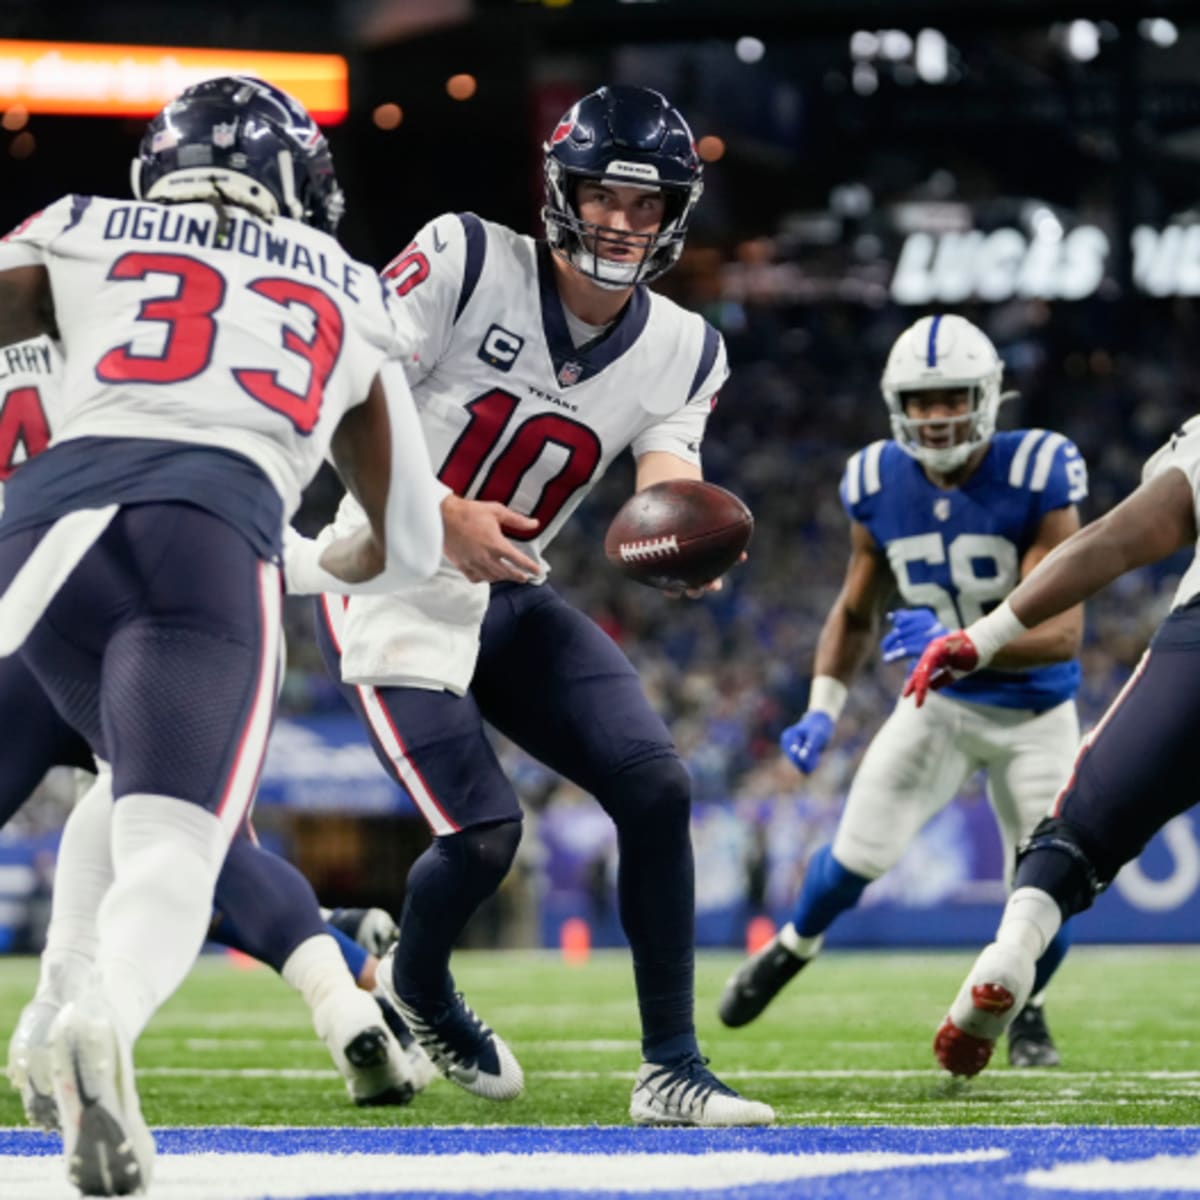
column 166, row 856
column 1030, row 921
column 82, row 876
column 801, row 947
column 317, row 970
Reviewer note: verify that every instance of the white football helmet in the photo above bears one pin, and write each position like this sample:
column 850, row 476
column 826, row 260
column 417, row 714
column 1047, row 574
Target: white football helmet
column 943, row 351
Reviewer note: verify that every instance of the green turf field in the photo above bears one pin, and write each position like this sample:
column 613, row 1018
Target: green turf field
column 847, row 1043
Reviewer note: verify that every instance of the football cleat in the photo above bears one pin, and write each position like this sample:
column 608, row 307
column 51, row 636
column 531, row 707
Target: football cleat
column 1029, row 1040
column 993, row 993
column 29, row 1068
column 688, row 1093
column 458, row 1043
column 108, row 1148
column 422, row 1069
column 757, row 982
column 372, row 928
column 376, row 1070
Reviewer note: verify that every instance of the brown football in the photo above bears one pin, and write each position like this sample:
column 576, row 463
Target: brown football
column 679, row 533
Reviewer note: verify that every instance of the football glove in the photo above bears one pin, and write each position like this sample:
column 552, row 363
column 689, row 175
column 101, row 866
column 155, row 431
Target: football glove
column 913, row 630
column 804, row 741
column 945, row 659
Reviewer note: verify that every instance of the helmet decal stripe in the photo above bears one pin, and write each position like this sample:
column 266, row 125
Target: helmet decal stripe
column 933, row 332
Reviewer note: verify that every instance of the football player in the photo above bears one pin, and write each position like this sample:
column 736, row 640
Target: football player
column 219, row 341
column 265, row 907
column 1136, row 769
column 534, row 364
column 951, row 515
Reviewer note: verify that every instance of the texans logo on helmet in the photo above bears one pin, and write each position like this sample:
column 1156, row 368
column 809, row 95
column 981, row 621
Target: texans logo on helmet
column 563, row 129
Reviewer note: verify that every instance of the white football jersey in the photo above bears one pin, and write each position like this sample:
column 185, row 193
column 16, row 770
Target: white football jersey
column 1182, row 452
column 256, row 342
column 30, row 402
column 513, row 411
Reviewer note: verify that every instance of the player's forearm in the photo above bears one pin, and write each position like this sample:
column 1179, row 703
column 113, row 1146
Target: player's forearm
column 845, row 643
column 1053, row 641
column 1078, row 568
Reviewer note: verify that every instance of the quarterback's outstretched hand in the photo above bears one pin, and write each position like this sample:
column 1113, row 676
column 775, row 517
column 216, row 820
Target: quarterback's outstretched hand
column 475, row 541
column 945, row 659
column 804, row 741
column 912, row 630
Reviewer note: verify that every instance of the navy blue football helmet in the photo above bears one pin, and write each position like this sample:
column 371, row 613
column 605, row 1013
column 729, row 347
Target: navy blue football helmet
column 621, row 135
column 242, row 141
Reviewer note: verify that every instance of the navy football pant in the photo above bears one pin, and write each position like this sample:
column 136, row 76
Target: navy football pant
column 162, row 650
column 1137, row 768
column 264, row 906
column 553, row 682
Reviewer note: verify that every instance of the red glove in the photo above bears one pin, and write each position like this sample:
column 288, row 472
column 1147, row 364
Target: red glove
column 945, row 659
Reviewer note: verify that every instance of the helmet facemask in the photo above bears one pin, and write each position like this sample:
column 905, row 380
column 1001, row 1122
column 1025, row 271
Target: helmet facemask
column 978, row 422
column 943, row 353
column 571, row 236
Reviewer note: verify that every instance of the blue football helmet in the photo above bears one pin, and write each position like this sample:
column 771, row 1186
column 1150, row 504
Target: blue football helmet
column 242, row 141
column 621, row 135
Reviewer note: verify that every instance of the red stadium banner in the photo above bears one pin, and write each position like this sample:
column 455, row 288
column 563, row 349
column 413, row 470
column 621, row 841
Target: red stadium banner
column 85, row 79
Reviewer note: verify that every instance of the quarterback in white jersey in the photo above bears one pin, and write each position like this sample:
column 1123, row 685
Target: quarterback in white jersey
column 533, row 364
column 217, row 341
column 1136, row 769
column 950, row 514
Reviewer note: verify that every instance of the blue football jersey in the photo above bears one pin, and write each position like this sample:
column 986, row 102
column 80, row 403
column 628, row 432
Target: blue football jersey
column 958, row 550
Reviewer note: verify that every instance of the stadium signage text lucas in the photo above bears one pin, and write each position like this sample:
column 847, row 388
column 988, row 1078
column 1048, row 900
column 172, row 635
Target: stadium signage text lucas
column 949, row 268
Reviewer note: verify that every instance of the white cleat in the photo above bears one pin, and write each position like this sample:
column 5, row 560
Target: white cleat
column 994, row 992
column 688, row 1093
column 29, row 1063
column 376, row 1070
column 459, row 1045
column 108, row 1148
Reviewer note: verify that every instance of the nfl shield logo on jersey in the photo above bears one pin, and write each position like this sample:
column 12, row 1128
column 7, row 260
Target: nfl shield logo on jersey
column 223, row 135
column 941, row 508
column 569, row 373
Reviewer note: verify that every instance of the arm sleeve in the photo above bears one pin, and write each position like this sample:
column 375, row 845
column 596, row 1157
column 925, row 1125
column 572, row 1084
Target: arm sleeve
column 413, row 516
column 1182, row 452
column 423, row 285
column 25, row 246
column 680, row 434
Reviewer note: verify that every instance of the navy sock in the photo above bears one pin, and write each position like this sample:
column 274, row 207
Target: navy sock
column 265, row 907
column 445, row 887
column 828, row 890
column 651, row 805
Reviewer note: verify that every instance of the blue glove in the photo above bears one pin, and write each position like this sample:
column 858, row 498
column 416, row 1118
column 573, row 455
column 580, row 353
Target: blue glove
column 804, row 741
column 914, row 629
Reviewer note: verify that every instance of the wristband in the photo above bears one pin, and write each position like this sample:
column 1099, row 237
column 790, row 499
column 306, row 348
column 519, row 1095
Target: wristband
column 827, row 695
column 992, row 633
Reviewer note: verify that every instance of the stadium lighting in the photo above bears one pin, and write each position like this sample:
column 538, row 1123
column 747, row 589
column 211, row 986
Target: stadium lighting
column 932, row 58
column 865, row 79
column 1083, row 40
column 1159, row 30
column 749, row 49
column 864, row 44
column 388, row 116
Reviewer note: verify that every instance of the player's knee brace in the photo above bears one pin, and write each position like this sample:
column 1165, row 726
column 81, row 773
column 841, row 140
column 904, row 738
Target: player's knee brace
column 654, row 794
column 1054, row 860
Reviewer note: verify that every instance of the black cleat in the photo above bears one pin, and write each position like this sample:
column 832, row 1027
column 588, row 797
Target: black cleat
column 757, row 982
column 1029, row 1041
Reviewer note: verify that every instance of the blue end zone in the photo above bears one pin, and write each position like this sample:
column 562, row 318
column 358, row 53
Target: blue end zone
column 1021, row 1150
